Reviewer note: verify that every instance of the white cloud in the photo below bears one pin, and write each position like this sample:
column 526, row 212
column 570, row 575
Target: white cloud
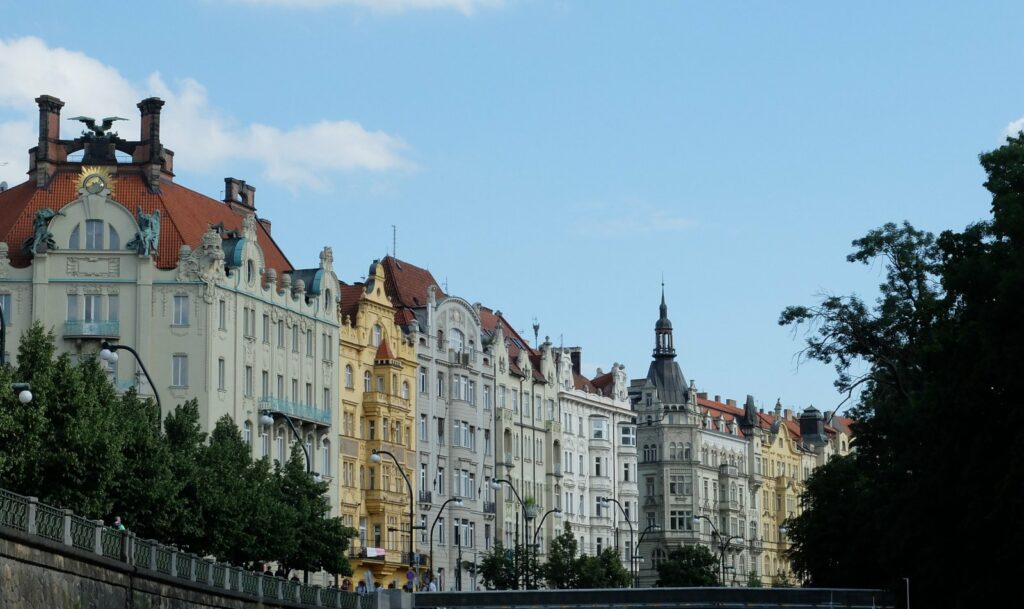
column 636, row 220
column 1014, row 128
column 204, row 138
column 466, row 7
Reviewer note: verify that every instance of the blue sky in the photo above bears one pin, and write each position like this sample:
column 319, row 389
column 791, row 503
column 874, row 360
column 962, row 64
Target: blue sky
column 555, row 159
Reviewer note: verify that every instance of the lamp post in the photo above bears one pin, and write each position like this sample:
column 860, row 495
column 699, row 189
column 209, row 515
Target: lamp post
column 535, row 545
column 267, row 418
column 632, row 548
column 108, row 353
column 723, row 546
column 24, row 389
column 783, row 574
column 458, row 502
column 496, row 484
column 375, row 457
column 650, row 527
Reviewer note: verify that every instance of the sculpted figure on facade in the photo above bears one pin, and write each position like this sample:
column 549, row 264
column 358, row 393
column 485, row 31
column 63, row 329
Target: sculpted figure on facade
column 147, row 240
column 41, row 239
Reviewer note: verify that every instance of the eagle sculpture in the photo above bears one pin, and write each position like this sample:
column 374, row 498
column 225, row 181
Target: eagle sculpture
column 90, row 123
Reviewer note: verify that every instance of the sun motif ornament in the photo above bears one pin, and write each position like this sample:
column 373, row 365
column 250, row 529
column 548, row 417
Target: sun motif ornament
column 95, row 179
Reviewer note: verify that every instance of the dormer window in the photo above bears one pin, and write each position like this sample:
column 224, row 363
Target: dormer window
column 377, row 334
column 250, row 271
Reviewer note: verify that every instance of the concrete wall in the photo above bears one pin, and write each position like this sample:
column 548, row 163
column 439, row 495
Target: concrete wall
column 39, row 574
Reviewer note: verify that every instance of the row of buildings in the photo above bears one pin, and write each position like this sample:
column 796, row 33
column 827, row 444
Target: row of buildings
column 495, row 436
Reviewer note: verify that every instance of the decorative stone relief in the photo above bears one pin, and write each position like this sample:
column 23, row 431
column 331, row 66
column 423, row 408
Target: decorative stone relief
column 5, row 260
column 205, row 264
column 93, row 266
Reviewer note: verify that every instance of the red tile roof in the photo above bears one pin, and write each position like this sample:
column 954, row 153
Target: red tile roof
column 582, row 382
column 350, row 296
column 384, row 353
column 406, row 284
column 184, row 214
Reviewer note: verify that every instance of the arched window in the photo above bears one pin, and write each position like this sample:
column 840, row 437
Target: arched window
column 366, row 382
column 264, row 441
column 282, row 446
column 75, row 241
column 325, row 454
column 377, row 333
column 657, row 557
column 687, row 452
column 115, row 239
column 457, row 340
column 348, row 377
column 327, row 300
column 672, row 451
column 405, row 390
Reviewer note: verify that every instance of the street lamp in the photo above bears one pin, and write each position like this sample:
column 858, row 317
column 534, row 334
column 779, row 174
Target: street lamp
column 650, row 527
column 535, row 545
column 496, row 484
column 375, row 457
column 108, row 353
column 23, row 389
column 267, row 418
column 632, row 548
column 723, row 546
column 458, row 502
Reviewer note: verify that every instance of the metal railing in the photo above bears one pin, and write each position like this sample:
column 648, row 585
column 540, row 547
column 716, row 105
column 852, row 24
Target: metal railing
column 295, row 409
column 100, row 329
column 28, row 515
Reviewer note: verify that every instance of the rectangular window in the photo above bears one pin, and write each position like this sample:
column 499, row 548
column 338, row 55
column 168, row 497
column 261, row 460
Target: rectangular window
column 680, row 520
column 599, row 428
column 625, row 472
column 113, row 307
column 487, row 441
column 94, row 234
column 92, row 307
column 487, row 397
column 423, row 380
column 280, row 334
column 5, row 306
column 73, row 306
column 440, row 384
column 179, row 370
column 501, row 396
column 295, row 339
column 280, row 387
column 295, row 391
column 266, row 328
column 248, row 381
column 628, row 435
column 423, row 428
column 440, row 431
column 221, row 374
column 309, row 394
column 309, row 343
column 180, row 310
column 265, row 384
column 327, row 398
column 222, row 315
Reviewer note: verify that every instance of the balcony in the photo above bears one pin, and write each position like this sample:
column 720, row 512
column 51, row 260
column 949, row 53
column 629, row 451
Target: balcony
column 490, row 507
column 425, row 497
column 553, row 426
column 296, row 410
column 556, row 470
column 92, row 329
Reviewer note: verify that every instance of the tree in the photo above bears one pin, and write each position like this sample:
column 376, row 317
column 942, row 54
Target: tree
column 753, row 579
column 936, row 411
column 688, row 566
column 602, row 571
column 560, row 569
column 497, row 568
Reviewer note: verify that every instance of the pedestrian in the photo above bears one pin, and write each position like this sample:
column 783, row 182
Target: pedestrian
column 432, row 586
column 118, row 525
column 346, row 585
column 361, row 587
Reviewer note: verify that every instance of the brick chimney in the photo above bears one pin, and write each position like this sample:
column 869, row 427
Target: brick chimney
column 150, row 152
column 265, row 223
column 240, row 196
column 48, row 152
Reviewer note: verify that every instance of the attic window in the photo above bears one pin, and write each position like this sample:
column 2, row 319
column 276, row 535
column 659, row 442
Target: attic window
column 250, row 271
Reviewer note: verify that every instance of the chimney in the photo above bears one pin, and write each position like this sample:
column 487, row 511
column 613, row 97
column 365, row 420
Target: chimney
column 576, row 356
column 48, row 152
column 265, row 223
column 150, row 152
column 730, row 402
column 703, row 395
column 718, row 398
column 787, row 414
column 239, row 196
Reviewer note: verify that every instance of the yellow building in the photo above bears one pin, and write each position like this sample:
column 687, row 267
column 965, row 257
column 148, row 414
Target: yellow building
column 791, row 447
column 377, row 367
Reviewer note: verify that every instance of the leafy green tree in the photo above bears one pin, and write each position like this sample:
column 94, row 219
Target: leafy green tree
column 688, row 566
column 185, row 440
column 602, row 571
column 753, row 579
column 560, row 569
column 497, row 568
column 942, row 342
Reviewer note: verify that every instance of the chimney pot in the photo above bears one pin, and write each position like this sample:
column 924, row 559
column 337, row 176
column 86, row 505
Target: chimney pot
column 718, row 398
column 730, row 402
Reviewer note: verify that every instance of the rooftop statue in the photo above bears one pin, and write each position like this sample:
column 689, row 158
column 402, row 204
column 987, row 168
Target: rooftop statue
column 93, row 130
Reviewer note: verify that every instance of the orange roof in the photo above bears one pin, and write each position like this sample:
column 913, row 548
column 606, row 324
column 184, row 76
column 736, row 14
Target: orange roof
column 384, row 353
column 406, row 284
column 350, row 296
column 184, row 214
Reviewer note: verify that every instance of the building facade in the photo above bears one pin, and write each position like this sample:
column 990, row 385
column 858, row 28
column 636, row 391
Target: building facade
column 377, row 367
column 101, row 244
column 454, row 463
column 697, row 474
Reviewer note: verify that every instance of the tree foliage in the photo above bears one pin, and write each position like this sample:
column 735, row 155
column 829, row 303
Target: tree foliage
column 937, row 413
column 602, row 571
column 82, row 446
column 688, row 566
column 560, row 568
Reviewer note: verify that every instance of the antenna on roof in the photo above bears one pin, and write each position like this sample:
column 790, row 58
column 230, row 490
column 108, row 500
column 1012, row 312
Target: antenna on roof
column 536, row 332
column 394, row 241
column 445, row 284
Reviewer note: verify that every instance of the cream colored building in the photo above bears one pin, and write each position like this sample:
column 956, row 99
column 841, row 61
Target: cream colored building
column 101, row 244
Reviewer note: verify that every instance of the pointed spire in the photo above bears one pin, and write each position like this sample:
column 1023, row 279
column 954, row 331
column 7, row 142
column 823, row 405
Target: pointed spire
column 663, row 341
